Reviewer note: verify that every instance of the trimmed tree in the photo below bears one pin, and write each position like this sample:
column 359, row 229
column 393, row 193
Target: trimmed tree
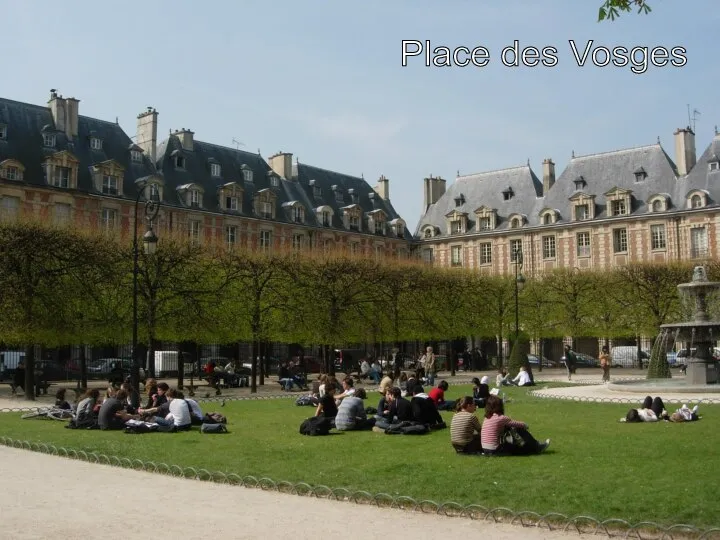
column 518, row 356
column 659, row 367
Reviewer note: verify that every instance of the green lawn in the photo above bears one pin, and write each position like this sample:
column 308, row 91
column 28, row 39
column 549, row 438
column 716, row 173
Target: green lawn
column 595, row 466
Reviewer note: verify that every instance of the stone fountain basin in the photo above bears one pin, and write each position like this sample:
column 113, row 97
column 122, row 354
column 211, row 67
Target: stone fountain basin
column 704, row 330
column 654, row 387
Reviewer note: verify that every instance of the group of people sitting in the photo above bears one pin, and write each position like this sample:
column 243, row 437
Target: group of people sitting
column 653, row 410
column 165, row 407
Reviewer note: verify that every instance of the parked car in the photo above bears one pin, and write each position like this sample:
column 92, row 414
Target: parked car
column 627, row 356
column 534, row 361
column 583, row 361
column 677, row 359
column 50, row 370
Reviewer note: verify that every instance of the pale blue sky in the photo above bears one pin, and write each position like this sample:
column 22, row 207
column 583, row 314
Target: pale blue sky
column 324, row 81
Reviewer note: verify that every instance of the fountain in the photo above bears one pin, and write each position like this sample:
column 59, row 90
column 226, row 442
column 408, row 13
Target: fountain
column 701, row 367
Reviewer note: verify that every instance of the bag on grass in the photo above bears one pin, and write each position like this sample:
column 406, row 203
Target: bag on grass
column 305, row 400
column 511, row 436
column 317, row 425
column 213, row 428
column 214, row 418
column 141, row 427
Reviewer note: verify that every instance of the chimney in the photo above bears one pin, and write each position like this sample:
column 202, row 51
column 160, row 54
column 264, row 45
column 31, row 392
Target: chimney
column 71, row 117
column 548, row 175
column 56, row 104
column 186, row 138
column 281, row 163
column 685, row 156
column 434, row 189
column 146, row 134
column 383, row 188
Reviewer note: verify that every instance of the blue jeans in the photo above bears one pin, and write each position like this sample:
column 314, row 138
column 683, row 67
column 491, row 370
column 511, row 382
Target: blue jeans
column 431, row 378
column 162, row 421
column 375, row 376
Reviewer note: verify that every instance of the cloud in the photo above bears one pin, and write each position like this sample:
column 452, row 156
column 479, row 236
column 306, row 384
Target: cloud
column 356, row 129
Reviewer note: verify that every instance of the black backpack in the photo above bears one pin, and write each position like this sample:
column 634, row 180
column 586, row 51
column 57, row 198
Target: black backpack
column 317, row 425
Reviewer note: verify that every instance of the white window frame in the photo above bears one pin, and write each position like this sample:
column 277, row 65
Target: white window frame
column 194, row 231
column 379, row 227
column 298, row 214
column 317, row 191
column 485, row 223
column 3, row 131
column 582, row 212
column 456, row 258
column 60, row 180
column 154, row 194
column 247, row 175
column 231, row 203
column 265, row 239
column 266, row 210
column 298, row 241
column 583, row 246
column 136, row 156
column 713, row 165
column 108, row 219
column 620, row 240
column 12, row 173
column 515, row 245
column 326, row 218
column 9, row 208
column 110, row 184
column 215, row 170
column 657, row 206
column 428, row 255
column 618, row 207
column 354, row 222
column 48, row 140
column 696, row 201
column 549, row 247
column 230, row 236
column 274, row 181
column 698, row 242
column 339, row 197
column 194, row 198
column 658, row 238
column 485, row 253
column 96, row 143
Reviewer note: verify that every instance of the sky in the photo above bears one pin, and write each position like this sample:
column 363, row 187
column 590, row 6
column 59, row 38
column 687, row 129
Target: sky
column 324, row 79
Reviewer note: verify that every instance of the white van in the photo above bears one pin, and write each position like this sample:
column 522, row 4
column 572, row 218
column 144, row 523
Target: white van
column 627, row 356
column 166, row 363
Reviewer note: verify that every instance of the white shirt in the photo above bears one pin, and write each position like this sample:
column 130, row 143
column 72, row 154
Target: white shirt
column 321, row 390
column 196, row 410
column 647, row 415
column 522, row 378
column 365, row 367
column 179, row 413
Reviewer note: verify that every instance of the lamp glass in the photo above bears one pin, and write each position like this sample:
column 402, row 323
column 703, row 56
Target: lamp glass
column 520, row 282
column 150, row 242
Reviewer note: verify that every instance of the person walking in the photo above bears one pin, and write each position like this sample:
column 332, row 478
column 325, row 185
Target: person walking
column 605, row 363
column 570, row 361
column 428, row 363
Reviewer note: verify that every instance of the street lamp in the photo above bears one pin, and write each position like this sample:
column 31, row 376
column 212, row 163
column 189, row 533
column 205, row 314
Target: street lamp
column 519, row 284
column 149, row 245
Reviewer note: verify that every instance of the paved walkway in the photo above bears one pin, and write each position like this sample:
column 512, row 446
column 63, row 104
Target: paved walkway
column 35, row 505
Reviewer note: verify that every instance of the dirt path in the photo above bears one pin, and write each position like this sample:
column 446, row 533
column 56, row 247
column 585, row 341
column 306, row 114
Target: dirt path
column 52, row 497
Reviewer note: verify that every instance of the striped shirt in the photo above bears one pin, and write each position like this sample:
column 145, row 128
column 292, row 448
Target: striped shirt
column 493, row 428
column 463, row 427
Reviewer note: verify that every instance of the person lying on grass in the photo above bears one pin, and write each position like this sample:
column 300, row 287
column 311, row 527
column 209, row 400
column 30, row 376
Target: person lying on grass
column 501, row 434
column 653, row 410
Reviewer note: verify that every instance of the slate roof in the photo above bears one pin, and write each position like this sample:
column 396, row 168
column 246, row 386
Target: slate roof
column 25, row 123
column 486, row 189
column 601, row 173
column 366, row 197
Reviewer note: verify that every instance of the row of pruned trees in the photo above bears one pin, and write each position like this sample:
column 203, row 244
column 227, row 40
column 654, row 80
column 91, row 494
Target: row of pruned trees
column 64, row 286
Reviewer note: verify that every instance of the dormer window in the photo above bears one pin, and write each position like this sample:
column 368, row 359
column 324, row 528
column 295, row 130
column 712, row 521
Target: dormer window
column 231, row 203
column 485, row 223
column 515, row 223
column 339, row 197
column 247, row 173
column 178, row 159
column 96, row 143
column 11, row 169
column 379, row 227
column 508, row 194
column 580, row 183
column 640, row 174
column 3, row 132
column 109, row 185
column 194, row 198
column 428, row 233
column 459, row 201
column 353, row 196
column 61, row 178
column 48, row 140
column 215, row 170
column 154, row 193
column 274, row 181
column 582, row 212
column 354, row 222
column 456, row 226
column 136, row 156
column 230, row 197
column 618, row 202
column 696, row 201
column 317, row 191
column 713, row 161
column 298, row 214
column 548, row 217
column 618, row 208
column 714, row 165
column 657, row 205
column 325, row 218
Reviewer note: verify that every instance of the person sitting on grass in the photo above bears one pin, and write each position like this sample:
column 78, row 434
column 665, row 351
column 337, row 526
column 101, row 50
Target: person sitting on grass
column 387, row 382
column 481, row 390
column 522, row 378
column 348, row 389
column 503, row 378
column 175, row 412
column 465, row 428
column 196, row 414
column 383, row 408
column 399, row 410
column 437, row 395
column 364, row 372
column 112, row 413
column 351, row 415
column 424, row 410
column 501, row 434
column 327, row 406
column 85, row 415
column 61, row 402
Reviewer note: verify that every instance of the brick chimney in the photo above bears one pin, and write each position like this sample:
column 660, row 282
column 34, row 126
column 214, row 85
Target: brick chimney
column 281, row 163
column 548, row 175
column 65, row 113
column 383, row 188
column 685, row 156
column 186, row 138
column 434, row 189
column 146, row 134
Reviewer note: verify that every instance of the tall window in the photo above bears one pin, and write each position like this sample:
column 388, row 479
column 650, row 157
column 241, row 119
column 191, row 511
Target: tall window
column 657, row 205
column 486, row 253
column 618, row 208
column 620, row 244
column 95, row 143
column 696, row 201
column 582, row 212
column 48, row 140
column 230, row 236
column 136, row 156
column 355, row 223
column 456, row 226
column 325, row 218
column 62, row 213
column 339, row 197
column 231, row 203
column 247, row 175
column 298, row 241
column 515, row 246
column 548, row 243
column 298, row 214
column 154, row 193
column 108, row 219
column 355, row 248
column 11, row 173
column 194, row 198
column 266, row 210
column 61, row 178
column 427, row 255
column 379, row 227
column 110, row 185
column 215, row 169
column 698, row 242
column 583, row 244
column 265, row 239
column 657, row 237
column 194, row 232
column 515, row 223
column 456, row 256
column 485, row 223
column 9, row 208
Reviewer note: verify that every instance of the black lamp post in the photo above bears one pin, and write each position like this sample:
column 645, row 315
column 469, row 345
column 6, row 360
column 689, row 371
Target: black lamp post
column 519, row 284
column 149, row 245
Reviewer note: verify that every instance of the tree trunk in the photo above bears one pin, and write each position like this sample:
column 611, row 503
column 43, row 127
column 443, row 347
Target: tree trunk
column 452, row 358
column 30, row 372
column 263, row 350
column 181, row 368
column 82, row 382
column 150, row 372
column 253, row 366
column 541, row 342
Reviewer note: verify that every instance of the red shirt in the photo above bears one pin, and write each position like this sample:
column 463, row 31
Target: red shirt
column 437, row 395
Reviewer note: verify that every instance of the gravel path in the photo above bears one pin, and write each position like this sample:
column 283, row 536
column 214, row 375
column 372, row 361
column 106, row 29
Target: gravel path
column 52, row 497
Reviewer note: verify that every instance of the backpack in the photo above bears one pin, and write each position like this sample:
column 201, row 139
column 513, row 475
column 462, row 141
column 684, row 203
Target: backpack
column 306, row 400
column 213, row 428
column 214, row 418
column 317, row 425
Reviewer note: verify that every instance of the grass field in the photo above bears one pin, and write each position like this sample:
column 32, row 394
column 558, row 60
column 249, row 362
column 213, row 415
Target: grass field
column 596, row 466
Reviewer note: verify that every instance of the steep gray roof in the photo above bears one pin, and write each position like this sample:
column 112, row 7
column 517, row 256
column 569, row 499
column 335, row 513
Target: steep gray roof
column 486, row 189
column 701, row 177
column 26, row 124
column 607, row 170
